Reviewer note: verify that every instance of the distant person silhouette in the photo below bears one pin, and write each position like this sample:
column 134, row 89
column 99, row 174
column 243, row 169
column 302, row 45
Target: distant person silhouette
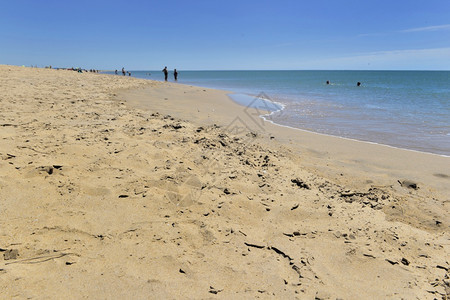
column 328, row 82
column 175, row 74
column 123, row 71
column 358, row 83
column 116, row 72
column 166, row 73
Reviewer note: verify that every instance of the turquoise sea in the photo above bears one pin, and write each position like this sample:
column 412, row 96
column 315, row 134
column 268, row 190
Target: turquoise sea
column 404, row 109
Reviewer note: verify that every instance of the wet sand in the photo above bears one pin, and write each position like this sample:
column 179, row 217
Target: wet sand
column 113, row 186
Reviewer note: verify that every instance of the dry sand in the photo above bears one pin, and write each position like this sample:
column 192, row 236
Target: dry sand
column 115, row 187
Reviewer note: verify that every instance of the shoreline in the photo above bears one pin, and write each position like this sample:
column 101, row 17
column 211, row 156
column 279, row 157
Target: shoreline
column 121, row 187
column 347, row 152
column 370, row 137
column 265, row 118
column 354, row 140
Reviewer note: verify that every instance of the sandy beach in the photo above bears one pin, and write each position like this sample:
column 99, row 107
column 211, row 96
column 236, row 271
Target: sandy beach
column 117, row 187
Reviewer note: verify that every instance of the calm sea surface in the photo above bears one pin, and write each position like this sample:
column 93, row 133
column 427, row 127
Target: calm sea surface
column 405, row 109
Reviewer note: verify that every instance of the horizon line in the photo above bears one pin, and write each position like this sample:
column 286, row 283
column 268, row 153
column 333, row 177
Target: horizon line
column 243, row 70
column 192, row 70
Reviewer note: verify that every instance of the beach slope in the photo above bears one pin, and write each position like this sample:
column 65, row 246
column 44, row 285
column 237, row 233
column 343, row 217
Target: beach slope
column 115, row 187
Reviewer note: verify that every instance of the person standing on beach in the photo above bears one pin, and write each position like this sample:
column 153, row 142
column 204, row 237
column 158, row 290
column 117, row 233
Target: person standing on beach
column 123, row 71
column 175, row 74
column 166, row 73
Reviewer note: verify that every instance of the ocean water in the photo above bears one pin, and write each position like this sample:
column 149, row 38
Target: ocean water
column 404, row 109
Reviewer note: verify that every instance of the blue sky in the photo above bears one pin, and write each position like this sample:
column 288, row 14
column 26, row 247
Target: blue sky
column 217, row 35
